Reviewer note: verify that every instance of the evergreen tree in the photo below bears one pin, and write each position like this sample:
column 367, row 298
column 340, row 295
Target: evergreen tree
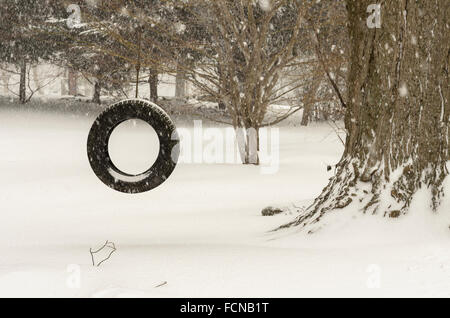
column 22, row 30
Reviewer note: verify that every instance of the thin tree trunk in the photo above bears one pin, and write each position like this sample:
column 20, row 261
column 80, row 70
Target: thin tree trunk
column 64, row 90
column 398, row 111
column 308, row 102
column 306, row 114
column 97, row 92
column 248, row 145
column 23, row 81
column 72, row 82
column 180, row 83
column 221, row 103
column 138, row 65
column 153, row 83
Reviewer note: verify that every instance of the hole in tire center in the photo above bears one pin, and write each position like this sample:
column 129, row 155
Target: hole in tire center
column 133, row 146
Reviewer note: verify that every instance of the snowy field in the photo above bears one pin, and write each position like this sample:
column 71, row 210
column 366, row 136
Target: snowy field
column 202, row 231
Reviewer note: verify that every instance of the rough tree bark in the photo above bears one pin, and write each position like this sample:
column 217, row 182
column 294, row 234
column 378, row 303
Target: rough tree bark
column 398, row 111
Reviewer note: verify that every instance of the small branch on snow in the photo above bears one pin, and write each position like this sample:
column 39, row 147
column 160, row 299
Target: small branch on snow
column 160, row 285
column 107, row 245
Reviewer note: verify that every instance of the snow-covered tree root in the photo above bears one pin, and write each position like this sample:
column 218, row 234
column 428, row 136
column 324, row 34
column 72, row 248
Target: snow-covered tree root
column 385, row 195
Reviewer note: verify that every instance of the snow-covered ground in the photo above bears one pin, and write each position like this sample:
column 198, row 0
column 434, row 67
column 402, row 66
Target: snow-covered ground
column 202, row 231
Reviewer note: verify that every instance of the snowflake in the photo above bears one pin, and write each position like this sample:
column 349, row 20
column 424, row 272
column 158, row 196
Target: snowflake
column 403, row 90
column 265, row 4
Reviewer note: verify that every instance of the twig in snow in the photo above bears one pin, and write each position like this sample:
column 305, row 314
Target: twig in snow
column 160, row 285
column 108, row 244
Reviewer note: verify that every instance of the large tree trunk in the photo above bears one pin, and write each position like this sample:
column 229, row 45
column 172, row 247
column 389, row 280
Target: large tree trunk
column 398, row 111
column 153, row 83
column 22, row 84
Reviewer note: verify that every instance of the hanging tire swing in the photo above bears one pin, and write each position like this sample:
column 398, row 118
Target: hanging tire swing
column 98, row 140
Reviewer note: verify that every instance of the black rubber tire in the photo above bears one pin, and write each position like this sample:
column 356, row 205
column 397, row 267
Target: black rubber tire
column 98, row 154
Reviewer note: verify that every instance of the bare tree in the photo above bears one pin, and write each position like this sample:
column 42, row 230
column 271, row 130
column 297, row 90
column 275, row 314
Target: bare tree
column 22, row 38
column 261, row 54
column 245, row 59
